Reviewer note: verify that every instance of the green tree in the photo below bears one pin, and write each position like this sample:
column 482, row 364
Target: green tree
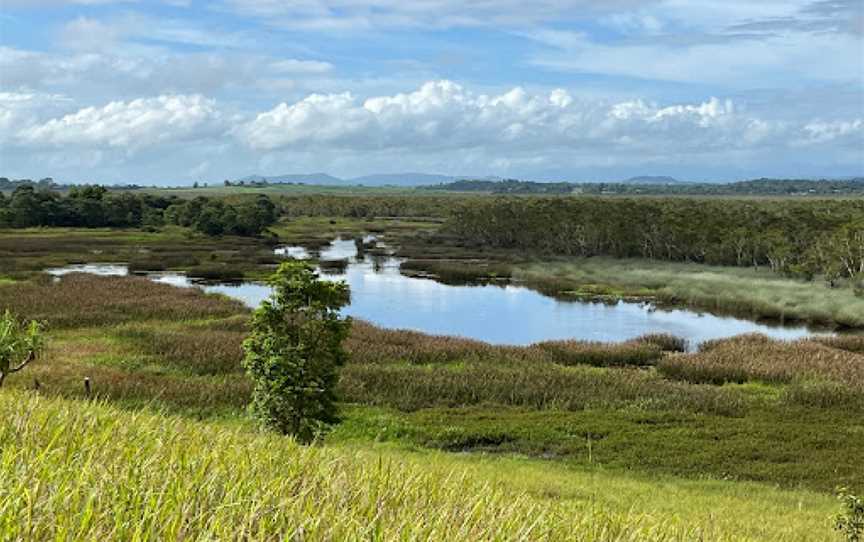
column 294, row 350
column 20, row 344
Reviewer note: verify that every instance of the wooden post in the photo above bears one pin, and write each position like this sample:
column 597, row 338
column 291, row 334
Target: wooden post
column 36, row 384
column 87, row 386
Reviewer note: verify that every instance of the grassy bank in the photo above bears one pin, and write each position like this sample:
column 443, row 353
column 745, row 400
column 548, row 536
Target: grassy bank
column 76, row 470
column 742, row 292
column 753, row 293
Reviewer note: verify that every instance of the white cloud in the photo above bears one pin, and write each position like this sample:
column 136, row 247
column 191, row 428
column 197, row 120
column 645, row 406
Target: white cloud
column 131, row 125
column 850, row 131
column 442, row 115
column 440, row 126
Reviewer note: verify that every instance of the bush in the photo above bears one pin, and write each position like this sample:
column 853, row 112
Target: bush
column 294, row 351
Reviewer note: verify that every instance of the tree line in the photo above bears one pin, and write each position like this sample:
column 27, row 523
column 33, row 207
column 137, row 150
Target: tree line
column 798, row 238
column 96, row 207
column 755, row 187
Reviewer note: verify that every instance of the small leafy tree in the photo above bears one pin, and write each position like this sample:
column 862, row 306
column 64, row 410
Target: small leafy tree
column 294, row 350
column 850, row 522
column 20, row 344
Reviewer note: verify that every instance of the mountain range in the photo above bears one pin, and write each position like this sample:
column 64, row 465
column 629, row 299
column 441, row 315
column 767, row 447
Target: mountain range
column 377, row 179
column 409, row 179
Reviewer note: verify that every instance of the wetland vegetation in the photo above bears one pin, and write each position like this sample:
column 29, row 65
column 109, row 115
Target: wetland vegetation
column 745, row 438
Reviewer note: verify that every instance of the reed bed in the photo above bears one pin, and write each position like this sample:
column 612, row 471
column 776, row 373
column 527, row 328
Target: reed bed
column 850, row 343
column 370, row 344
column 756, row 357
column 738, row 291
column 137, row 387
column 82, row 300
column 602, row 354
column 197, row 351
column 87, row 471
column 538, row 386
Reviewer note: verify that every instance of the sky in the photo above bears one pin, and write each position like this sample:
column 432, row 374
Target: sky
column 177, row 91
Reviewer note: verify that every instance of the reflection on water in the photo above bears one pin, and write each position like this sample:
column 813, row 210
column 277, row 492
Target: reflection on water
column 500, row 315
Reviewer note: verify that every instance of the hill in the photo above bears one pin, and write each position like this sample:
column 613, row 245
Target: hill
column 648, row 179
column 401, row 179
column 322, row 179
column 375, row 179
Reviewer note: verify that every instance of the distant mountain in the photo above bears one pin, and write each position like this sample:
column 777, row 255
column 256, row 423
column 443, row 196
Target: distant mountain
column 401, row 179
column 377, row 179
column 305, row 178
column 649, row 179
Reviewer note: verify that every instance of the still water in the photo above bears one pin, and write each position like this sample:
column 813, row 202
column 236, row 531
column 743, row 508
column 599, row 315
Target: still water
column 496, row 314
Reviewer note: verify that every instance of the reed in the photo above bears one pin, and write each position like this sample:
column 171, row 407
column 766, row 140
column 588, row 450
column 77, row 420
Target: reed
column 756, row 357
column 81, row 300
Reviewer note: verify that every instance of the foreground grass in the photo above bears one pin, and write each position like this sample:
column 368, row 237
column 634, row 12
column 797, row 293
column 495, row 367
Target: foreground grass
column 84, row 471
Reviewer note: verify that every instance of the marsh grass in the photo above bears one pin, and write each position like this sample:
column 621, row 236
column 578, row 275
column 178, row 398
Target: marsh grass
column 88, row 471
column 541, row 386
column 756, row 357
column 745, row 292
column 633, row 353
column 850, row 343
column 371, row 344
column 198, row 350
column 81, row 300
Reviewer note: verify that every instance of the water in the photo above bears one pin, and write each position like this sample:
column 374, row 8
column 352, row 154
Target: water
column 496, row 314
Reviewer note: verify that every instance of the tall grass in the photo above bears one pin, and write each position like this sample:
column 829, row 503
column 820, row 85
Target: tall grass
column 756, row 357
column 78, row 471
column 80, row 300
column 745, row 292
column 531, row 385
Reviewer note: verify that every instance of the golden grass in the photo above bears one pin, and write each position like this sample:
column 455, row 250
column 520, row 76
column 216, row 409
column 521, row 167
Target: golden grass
column 86, row 472
column 756, row 357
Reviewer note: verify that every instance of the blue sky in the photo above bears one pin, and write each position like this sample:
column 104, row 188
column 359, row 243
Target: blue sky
column 176, row 91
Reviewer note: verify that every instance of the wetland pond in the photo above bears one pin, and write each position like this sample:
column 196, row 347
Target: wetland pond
column 498, row 314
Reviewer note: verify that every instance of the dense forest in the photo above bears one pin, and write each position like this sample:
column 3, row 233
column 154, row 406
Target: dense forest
column 756, row 187
column 369, row 206
column 797, row 238
column 96, row 207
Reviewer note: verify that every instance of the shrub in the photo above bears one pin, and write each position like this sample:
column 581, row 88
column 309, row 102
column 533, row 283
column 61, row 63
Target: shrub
column 20, row 344
column 294, row 351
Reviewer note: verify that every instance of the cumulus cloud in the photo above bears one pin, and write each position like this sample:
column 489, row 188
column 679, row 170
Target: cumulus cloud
column 838, row 131
column 444, row 115
column 131, row 125
column 441, row 122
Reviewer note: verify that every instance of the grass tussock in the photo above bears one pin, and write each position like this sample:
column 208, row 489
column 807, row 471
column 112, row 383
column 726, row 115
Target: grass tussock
column 88, row 471
column 81, row 300
column 756, row 357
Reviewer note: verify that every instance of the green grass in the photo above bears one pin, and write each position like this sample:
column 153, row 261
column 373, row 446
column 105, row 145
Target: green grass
column 747, row 292
column 86, row 471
